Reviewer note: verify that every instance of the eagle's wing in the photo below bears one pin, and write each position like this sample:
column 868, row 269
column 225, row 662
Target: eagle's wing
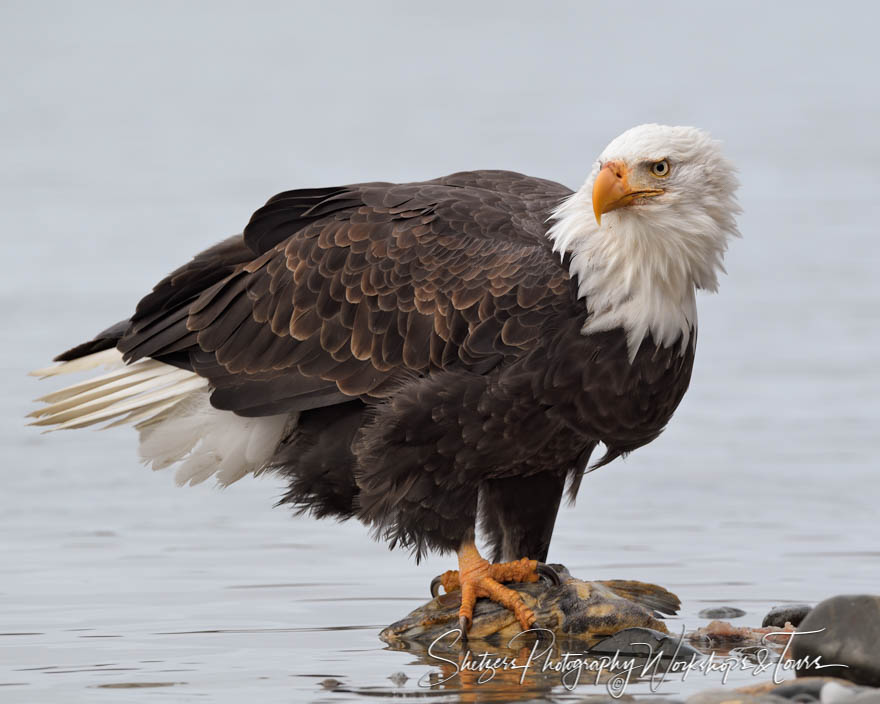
column 343, row 292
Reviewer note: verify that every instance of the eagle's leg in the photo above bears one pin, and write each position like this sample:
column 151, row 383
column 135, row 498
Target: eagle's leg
column 477, row 578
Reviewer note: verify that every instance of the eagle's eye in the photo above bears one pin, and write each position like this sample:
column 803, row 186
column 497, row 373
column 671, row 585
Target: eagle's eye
column 660, row 169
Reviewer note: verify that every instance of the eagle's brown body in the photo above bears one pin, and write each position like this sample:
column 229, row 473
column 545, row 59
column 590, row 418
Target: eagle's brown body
column 427, row 345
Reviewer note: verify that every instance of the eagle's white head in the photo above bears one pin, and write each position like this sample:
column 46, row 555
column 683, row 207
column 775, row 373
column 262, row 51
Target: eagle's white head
column 650, row 225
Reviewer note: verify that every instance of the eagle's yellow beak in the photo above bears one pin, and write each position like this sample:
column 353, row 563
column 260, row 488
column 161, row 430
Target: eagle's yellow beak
column 612, row 189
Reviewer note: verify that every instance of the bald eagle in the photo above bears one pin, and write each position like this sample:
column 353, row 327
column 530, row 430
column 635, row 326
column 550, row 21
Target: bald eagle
column 424, row 356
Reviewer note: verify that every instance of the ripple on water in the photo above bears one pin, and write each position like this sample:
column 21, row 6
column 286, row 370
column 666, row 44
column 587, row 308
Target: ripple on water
column 136, row 685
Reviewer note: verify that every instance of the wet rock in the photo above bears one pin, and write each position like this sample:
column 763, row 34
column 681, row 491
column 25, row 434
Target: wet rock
column 834, row 693
column 839, row 693
column 573, row 610
column 726, row 696
column 625, row 699
column 790, row 613
column 804, row 689
column 722, row 612
column 870, row 696
column 849, row 628
column 725, row 633
column 630, row 642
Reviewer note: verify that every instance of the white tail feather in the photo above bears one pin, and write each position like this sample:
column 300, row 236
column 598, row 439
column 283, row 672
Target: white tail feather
column 87, row 390
column 122, row 372
column 142, row 417
column 84, row 407
column 108, row 358
column 171, row 409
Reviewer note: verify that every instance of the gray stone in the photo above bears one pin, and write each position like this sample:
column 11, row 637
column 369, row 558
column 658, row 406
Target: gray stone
column 808, row 688
column 398, row 679
column 778, row 616
column 725, row 612
column 726, row 696
column 626, row 643
column 849, row 633
column 835, row 693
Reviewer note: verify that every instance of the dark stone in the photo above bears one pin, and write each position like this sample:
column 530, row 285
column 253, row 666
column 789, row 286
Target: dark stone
column 626, row 643
column 850, row 632
column 778, row 616
column 808, row 690
column 725, row 612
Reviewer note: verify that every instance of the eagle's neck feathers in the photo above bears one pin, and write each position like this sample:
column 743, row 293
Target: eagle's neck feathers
column 637, row 272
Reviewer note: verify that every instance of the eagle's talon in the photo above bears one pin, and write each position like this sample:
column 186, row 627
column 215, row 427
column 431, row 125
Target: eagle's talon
column 548, row 574
column 464, row 623
column 448, row 580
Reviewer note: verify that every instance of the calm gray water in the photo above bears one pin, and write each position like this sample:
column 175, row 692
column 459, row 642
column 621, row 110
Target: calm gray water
column 133, row 135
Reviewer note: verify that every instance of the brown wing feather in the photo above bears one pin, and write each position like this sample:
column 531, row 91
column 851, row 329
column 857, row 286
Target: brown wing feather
column 333, row 293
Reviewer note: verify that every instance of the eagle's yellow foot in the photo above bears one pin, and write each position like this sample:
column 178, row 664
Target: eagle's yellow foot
column 476, row 578
column 524, row 570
